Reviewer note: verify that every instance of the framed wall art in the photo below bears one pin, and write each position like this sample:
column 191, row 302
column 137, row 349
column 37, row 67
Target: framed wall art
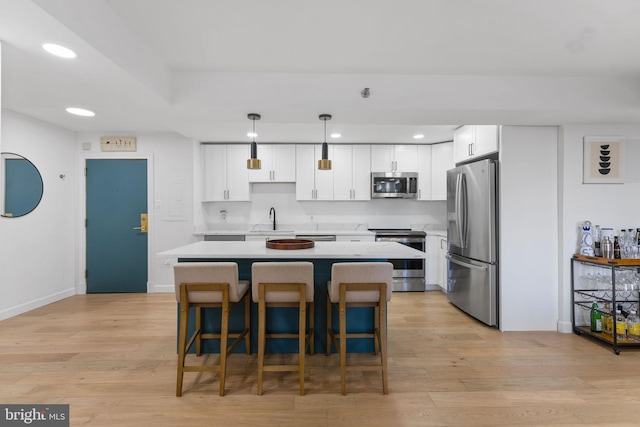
column 603, row 160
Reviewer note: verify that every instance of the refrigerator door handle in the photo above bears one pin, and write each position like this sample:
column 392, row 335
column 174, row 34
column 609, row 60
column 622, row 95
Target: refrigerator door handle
column 464, row 214
column 466, row 264
column 457, row 208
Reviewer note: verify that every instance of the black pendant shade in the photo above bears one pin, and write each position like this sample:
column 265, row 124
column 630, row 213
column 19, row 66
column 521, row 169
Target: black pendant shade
column 325, row 163
column 254, row 161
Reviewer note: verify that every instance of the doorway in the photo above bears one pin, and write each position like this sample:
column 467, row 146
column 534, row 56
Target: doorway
column 116, row 241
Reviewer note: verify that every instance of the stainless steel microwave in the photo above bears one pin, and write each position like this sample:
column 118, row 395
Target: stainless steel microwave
column 394, row 185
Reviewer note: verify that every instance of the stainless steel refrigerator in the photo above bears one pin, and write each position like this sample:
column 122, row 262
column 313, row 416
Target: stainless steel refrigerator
column 472, row 233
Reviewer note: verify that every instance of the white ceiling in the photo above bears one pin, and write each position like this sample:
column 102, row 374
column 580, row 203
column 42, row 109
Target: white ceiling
column 198, row 67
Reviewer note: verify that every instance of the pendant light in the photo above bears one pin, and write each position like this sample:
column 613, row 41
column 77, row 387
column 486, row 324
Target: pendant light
column 254, row 161
column 325, row 163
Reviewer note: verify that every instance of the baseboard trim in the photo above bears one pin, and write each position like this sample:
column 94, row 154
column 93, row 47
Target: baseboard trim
column 156, row 289
column 37, row 303
column 564, row 327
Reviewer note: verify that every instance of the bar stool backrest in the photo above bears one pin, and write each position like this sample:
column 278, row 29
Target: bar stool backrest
column 208, row 272
column 360, row 272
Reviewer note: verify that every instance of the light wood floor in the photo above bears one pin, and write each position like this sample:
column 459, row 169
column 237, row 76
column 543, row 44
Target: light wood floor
column 112, row 358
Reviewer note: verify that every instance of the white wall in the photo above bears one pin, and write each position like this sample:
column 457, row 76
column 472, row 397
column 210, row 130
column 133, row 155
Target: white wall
column 529, row 228
column 608, row 205
column 35, row 263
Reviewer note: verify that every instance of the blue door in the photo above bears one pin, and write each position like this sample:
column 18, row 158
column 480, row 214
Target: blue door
column 116, row 246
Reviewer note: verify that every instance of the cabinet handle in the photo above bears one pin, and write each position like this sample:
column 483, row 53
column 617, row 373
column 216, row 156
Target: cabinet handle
column 419, row 193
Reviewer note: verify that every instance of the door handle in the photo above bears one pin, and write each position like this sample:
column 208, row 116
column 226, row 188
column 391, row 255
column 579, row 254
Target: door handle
column 144, row 223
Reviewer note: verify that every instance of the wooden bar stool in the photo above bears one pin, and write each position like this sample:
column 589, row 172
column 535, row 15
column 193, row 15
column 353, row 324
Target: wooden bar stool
column 360, row 284
column 283, row 284
column 209, row 284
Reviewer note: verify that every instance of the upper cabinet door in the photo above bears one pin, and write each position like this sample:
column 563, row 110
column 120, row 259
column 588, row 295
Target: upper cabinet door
column 284, row 163
column 238, row 187
column 462, row 143
column 406, row 158
column 342, row 164
column 475, row 141
column 486, row 140
column 305, row 172
column 226, row 176
column 351, row 172
column 441, row 162
column 382, row 158
column 215, row 172
column 424, row 172
column 361, row 179
column 311, row 183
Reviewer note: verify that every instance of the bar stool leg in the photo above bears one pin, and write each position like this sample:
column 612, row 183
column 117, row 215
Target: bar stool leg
column 329, row 312
column 198, row 331
column 302, row 338
column 182, row 344
column 224, row 338
column 247, row 321
column 382, row 322
column 261, row 337
column 343, row 339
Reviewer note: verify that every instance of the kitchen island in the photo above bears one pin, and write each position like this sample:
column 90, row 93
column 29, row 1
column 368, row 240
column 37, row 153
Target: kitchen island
column 323, row 255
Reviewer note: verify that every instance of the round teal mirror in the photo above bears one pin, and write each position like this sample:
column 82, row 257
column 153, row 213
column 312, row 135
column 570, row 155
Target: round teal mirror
column 21, row 185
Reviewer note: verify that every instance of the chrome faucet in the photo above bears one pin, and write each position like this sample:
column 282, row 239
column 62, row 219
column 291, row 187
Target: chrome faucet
column 272, row 210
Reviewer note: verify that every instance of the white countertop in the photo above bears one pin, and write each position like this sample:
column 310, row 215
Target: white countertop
column 284, row 232
column 286, row 229
column 337, row 250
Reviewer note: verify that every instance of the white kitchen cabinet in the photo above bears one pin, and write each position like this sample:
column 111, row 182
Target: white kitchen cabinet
column 442, row 261
column 473, row 141
column 424, row 172
column 278, row 163
column 432, row 261
column 351, row 172
column 225, row 172
column 394, row 158
column 441, row 162
column 437, row 262
column 312, row 183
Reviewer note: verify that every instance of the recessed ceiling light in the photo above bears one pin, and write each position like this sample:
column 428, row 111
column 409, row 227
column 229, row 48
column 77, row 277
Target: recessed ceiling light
column 418, row 136
column 335, row 135
column 57, row 50
column 252, row 135
column 80, row 112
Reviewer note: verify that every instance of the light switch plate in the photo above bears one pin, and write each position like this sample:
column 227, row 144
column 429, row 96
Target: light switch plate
column 118, row 143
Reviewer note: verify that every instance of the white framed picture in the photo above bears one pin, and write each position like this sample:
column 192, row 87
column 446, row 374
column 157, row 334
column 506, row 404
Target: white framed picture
column 603, row 160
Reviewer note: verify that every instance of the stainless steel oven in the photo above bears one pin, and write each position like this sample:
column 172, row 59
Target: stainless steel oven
column 408, row 274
